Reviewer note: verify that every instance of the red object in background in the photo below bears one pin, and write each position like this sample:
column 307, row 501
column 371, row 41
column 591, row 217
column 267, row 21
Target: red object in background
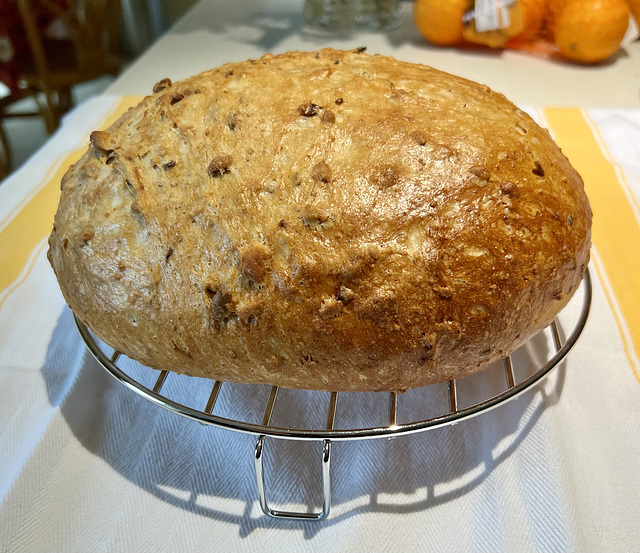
column 13, row 45
column 15, row 53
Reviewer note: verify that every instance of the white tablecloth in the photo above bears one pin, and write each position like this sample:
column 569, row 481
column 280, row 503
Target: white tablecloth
column 87, row 465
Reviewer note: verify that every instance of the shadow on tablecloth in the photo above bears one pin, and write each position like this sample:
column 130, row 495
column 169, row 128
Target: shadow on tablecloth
column 209, row 471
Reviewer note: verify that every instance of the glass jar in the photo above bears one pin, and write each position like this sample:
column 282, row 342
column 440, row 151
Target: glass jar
column 344, row 15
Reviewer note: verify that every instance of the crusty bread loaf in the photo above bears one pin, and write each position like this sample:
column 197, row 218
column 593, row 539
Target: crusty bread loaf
column 327, row 220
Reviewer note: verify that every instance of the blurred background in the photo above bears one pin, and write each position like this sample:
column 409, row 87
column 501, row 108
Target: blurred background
column 54, row 54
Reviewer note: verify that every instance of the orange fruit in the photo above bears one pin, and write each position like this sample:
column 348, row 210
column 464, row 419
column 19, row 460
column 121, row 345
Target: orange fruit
column 533, row 12
column 589, row 31
column 440, row 21
column 634, row 8
column 549, row 23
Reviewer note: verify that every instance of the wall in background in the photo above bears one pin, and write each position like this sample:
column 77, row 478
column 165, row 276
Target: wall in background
column 144, row 21
column 175, row 9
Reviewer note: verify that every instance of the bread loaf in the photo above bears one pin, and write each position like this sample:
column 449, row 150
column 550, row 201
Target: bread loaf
column 327, row 220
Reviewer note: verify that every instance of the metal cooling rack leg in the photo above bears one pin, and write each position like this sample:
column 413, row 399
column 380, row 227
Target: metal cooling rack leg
column 555, row 332
column 508, row 372
column 326, row 485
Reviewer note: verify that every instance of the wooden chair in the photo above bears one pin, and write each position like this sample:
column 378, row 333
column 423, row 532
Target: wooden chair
column 56, row 65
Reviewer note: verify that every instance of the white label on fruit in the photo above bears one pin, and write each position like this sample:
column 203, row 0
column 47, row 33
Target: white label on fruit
column 491, row 15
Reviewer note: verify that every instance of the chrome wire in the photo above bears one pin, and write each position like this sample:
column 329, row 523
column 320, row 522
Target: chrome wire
column 393, row 408
column 453, row 396
column 295, row 515
column 454, row 413
column 508, row 370
column 213, row 397
column 326, row 465
column 329, row 433
column 160, row 381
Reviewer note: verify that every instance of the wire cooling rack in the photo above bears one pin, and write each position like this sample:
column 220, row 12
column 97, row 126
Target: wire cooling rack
column 328, row 432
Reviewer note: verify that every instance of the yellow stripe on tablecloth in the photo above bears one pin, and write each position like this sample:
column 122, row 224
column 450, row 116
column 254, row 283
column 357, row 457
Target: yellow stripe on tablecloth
column 616, row 230
column 596, row 263
column 35, row 220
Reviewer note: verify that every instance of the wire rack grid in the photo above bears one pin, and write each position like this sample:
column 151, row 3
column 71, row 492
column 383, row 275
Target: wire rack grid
column 327, row 433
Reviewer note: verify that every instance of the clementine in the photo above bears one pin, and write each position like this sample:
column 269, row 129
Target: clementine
column 440, row 21
column 589, row 31
column 533, row 12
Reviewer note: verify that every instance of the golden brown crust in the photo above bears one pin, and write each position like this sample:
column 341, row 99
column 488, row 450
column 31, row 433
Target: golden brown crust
column 326, row 220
